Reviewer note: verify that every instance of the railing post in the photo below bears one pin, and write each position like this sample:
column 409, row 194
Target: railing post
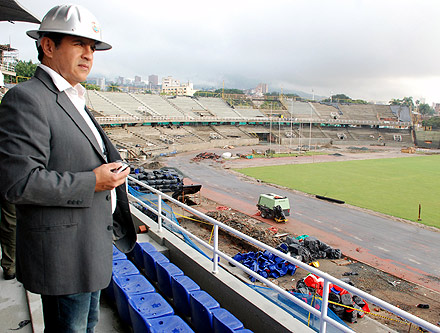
column 324, row 307
column 159, row 213
column 215, row 256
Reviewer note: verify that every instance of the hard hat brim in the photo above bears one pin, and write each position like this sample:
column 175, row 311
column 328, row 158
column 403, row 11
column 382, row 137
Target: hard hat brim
column 100, row 46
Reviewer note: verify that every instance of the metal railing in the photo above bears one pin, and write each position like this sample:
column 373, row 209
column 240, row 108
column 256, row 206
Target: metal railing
column 143, row 119
column 216, row 253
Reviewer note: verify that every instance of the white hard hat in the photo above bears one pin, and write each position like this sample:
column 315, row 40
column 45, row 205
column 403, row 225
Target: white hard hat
column 71, row 20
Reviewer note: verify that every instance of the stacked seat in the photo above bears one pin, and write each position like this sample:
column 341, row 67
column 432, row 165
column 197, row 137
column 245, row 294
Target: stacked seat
column 144, row 304
column 126, row 287
column 182, row 286
column 202, row 304
column 165, row 271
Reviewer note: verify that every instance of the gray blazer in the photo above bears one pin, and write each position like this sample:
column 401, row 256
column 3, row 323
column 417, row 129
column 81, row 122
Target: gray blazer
column 64, row 228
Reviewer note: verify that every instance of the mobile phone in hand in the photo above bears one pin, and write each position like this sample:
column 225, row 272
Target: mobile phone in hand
column 121, row 168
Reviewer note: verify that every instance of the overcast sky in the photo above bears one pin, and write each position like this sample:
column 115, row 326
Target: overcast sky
column 367, row 49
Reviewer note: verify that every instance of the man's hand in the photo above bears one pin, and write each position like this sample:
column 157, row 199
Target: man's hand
column 106, row 179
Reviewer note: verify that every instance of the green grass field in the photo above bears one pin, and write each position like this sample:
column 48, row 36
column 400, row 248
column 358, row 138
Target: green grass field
column 394, row 186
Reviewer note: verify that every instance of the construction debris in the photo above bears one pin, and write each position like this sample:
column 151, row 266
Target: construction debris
column 238, row 223
column 341, row 302
column 308, row 249
column 205, row 156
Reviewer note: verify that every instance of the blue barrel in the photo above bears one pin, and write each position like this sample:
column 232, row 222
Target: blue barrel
column 182, row 286
column 150, row 260
column 126, row 286
column 147, row 306
column 166, row 270
column 202, row 304
column 168, row 324
column 225, row 322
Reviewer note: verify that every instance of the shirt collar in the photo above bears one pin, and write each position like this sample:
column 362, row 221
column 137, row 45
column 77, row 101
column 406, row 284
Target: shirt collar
column 61, row 82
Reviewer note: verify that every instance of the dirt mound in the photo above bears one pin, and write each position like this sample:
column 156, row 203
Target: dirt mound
column 152, row 165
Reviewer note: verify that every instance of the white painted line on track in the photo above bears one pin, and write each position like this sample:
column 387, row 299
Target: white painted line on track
column 359, row 239
column 318, row 221
column 337, row 229
column 414, row 261
column 382, row 249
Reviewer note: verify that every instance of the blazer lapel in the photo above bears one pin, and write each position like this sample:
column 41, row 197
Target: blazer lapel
column 109, row 148
column 65, row 103
column 73, row 113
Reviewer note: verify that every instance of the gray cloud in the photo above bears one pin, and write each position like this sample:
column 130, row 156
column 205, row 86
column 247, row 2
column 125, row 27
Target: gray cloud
column 375, row 50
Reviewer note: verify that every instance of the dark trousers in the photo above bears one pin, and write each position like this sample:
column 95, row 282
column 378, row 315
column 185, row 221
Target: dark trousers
column 77, row 313
column 8, row 224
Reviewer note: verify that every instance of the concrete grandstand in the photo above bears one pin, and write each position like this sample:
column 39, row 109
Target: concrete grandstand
column 146, row 124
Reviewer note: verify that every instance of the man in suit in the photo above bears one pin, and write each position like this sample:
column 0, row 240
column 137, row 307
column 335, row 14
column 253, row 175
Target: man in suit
column 59, row 168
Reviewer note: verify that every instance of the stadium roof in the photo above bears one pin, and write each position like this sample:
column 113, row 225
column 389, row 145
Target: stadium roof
column 11, row 10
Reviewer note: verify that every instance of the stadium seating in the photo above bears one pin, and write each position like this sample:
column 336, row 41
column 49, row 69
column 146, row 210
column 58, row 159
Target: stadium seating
column 146, row 306
column 218, row 107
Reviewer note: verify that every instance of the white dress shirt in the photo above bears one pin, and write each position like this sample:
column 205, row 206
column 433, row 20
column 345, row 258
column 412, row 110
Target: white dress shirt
column 76, row 95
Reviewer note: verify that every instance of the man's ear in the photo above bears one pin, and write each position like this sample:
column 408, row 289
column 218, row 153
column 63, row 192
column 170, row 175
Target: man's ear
column 48, row 46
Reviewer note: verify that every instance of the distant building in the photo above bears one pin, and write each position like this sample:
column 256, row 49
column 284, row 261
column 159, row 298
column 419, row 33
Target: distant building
column 262, row 89
column 153, row 80
column 120, row 80
column 171, row 86
column 437, row 108
column 170, row 82
column 8, row 59
column 101, row 83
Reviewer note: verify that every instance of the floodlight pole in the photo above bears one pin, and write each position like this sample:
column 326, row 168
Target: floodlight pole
column 310, row 132
column 291, row 127
column 270, row 130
